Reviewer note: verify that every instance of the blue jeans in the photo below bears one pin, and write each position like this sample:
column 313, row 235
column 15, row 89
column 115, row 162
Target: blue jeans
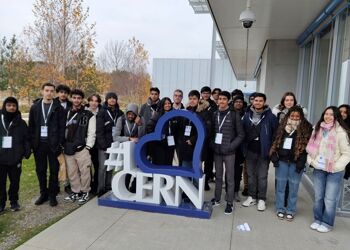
column 286, row 172
column 327, row 189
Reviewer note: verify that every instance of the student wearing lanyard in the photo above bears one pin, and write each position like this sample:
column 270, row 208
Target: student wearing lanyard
column 328, row 153
column 151, row 106
column 288, row 154
column 130, row 127
column 188, row 132
column 80, row 137
column 209, row 156
column 227, row 134
column 106, row 120
column 259, row 125
column 46, row 128
column 162, row 152
column 14, row 146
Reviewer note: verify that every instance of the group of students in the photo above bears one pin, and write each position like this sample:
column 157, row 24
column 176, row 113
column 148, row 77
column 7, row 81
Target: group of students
column 241, row 141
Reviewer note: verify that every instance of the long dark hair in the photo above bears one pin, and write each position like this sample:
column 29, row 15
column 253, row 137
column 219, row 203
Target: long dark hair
column 337, row 118
column 303, row 133
column 281, row 106
column 347, row 107
column 162, row 103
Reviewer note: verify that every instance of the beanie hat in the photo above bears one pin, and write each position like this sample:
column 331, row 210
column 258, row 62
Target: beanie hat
column 111, row 95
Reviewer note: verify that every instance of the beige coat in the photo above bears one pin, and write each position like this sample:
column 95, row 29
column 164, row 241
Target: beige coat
column 342, row 154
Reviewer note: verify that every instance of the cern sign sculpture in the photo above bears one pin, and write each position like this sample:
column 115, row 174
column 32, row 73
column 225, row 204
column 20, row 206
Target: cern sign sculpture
column 158, row 188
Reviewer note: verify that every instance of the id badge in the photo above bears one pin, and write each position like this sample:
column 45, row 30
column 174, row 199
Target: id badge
column 114, row 131
column 218, row 138
column 43, row 131
column 171, row 140
column 288, row 143
column 321, row 162
column 188, row 130
column 7, row 142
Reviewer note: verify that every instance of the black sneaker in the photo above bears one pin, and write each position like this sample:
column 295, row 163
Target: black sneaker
column 41, row 200
column 15, row 206
column 67, row 189
column 229, row 208
column 245, row 192
column 83, row 198
column 53, row 201
column 72, row 197
column 215, row 203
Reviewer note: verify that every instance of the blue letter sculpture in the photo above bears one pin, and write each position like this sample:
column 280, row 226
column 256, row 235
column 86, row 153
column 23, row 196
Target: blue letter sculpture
column 158, row 188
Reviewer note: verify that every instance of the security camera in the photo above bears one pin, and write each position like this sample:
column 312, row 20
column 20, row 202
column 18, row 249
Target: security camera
column 247, row 17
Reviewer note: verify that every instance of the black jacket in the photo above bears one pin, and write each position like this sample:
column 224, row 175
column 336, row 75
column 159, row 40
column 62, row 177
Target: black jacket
column 69, row 104
column 104, row 125
column 186, row 150
column 56, row 125
column 232, row 130
column 160, row 151
column 76, row 141
column 20, row 142
column 287, row 155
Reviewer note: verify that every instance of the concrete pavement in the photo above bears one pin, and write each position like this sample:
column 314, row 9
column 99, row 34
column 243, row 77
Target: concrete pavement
column 94, row 227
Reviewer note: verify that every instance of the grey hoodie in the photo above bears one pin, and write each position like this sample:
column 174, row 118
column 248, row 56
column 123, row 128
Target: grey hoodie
column 123, row 133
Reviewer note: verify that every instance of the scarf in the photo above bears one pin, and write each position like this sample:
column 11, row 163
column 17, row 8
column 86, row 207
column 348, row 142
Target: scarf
column 331, row 144
column 291, row 125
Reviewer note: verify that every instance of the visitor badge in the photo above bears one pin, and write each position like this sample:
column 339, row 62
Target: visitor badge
column 288, row 143
column 321, row 162
column 218, row 138
column 188, row 130
column 114, row 131
column 43, row 131
column 171, row 140
column 7, row 142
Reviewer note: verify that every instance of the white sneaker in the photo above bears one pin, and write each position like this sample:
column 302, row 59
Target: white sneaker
column 314, row 226
column 323, row 229
column 261, row 205
column 249, row 202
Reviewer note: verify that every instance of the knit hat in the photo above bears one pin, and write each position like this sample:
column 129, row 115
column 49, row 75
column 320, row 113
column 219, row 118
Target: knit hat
column 10, row 99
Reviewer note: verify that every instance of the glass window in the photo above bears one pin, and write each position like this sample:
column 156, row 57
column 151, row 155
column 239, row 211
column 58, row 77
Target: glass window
column 320, row 90
column 305, row 81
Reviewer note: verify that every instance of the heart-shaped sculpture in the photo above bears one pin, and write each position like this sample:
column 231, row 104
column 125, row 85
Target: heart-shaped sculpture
column 141, row 155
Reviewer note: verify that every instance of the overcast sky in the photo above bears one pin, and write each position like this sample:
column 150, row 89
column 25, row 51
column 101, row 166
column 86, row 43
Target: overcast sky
column 168, row 28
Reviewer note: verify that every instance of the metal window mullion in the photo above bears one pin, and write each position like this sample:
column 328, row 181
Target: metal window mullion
column 333, row 58
column 313, row 77
column 301, row 69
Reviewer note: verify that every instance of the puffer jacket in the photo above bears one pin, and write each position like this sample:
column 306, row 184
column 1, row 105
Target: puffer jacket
column 342, row 153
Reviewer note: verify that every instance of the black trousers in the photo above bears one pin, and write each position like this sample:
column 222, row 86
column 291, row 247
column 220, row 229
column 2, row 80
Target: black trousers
column 43, row 155
column 95, row 162
column 14, row 174
column 209, row 164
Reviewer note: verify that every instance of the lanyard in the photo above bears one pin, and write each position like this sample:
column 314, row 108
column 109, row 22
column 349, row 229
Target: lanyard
column 114, row 120
column 43, row 110
column 71, row 119
column 292, row 133
column 128, row 128
column 223, row 120
column 3, row 123
column 258, row 121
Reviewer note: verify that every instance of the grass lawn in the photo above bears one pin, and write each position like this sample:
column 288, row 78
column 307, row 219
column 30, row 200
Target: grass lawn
column 18, row 227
